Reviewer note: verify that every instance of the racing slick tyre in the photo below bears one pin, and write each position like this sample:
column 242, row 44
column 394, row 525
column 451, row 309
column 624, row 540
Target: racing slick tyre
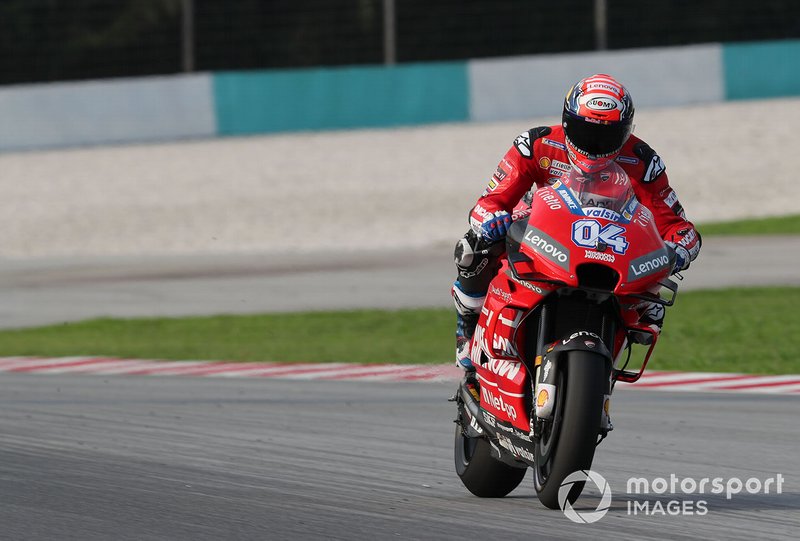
column 567, row 443
column 480, row 472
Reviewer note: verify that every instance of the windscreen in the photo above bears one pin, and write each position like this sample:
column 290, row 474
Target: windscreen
column 609, row 189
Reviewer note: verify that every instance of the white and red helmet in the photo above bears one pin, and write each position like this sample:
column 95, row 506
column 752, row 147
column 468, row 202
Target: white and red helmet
column 597, row 120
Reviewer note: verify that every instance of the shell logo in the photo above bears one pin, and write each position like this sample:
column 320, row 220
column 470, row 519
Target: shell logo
column 607, row 405
column 544, row 162
column 541, row 398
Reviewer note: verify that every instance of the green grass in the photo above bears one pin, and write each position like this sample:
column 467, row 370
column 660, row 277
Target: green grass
column 782, row 225
column 350, row 336
column 737, row 330
column 750, row 330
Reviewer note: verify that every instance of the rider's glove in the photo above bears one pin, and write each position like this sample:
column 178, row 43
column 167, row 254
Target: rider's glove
column 496, row 226
column 682, row 258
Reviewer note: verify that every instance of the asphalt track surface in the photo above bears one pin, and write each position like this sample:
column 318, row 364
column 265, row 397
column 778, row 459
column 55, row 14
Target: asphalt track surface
column 125, row 457
column 87, row 457
column 37, row 292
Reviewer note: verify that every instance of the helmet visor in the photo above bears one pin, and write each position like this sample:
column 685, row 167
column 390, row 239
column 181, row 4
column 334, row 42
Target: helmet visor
column 596, row 139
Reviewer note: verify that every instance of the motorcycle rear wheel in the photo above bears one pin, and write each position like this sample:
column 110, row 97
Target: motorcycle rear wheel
column 569, row 441
column 480, row 472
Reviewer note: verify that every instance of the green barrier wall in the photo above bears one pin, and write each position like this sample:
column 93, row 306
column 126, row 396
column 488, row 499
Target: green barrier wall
column 761, row 70
column 292, row 100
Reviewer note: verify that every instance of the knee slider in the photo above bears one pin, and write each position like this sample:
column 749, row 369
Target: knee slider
column 654, row 313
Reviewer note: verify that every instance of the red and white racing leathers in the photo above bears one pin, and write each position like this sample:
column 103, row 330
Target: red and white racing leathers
column 538, row 157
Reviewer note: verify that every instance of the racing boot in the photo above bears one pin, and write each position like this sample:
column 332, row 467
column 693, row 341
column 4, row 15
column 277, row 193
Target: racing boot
column 467, row 313
column 465, row 329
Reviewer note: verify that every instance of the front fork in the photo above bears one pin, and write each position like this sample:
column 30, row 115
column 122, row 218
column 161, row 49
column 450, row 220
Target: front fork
column 545, row 388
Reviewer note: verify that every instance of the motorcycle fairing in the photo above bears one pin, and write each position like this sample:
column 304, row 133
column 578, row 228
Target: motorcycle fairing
column 497, row 346
column 627, row 242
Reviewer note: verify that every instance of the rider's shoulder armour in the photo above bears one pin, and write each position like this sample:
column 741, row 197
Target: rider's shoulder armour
column 524, row 141
column 652, row 161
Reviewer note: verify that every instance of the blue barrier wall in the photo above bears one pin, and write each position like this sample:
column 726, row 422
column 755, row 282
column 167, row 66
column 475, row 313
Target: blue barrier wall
column 269, row 101
column 291, row 100
column 761, row 70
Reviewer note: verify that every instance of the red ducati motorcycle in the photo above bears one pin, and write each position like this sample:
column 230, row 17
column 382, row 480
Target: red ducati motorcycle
column 555, row 335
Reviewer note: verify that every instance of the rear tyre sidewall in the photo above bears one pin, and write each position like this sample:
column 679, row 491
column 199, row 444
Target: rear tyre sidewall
column 481, row 473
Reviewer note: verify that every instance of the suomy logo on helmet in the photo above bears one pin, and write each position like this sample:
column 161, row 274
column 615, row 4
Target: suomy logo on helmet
column 602, row 103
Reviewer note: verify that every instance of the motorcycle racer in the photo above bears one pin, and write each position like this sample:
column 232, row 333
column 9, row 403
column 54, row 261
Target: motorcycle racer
column 595, row 133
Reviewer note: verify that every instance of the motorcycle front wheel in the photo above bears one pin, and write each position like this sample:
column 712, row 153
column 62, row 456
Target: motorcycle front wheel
column 480, row 472
column 568, row 441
